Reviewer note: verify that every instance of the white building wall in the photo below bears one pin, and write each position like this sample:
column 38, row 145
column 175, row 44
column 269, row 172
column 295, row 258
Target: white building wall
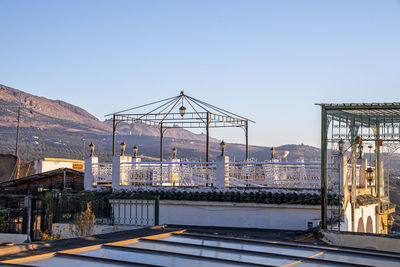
column 54, row 165
column 361, row 212
column 45, row 165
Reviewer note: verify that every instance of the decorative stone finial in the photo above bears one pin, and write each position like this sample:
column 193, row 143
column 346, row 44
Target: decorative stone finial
column 222, row 145
column 182, row 92
column 91, row 146
column 123, row 146
column 272, row 150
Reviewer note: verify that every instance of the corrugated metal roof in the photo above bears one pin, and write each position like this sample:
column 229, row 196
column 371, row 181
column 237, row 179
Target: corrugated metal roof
column 40, row 176
column 187, row 249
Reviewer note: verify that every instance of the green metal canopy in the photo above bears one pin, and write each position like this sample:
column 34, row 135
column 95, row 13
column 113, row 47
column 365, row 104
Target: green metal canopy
column 377, row 123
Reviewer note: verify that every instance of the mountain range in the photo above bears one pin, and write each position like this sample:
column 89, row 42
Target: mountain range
column 54, row 128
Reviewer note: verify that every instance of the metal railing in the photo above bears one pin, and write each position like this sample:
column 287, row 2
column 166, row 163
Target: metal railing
column 274, row 174
column 69, row 206
column 102, row 173
column 168, row 173
column 13, row 220
column 135, row 212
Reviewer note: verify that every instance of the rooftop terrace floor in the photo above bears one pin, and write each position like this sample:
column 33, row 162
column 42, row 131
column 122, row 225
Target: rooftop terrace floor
column 174, row 246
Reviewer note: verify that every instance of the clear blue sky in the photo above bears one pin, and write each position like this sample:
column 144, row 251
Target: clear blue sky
column 266, row 60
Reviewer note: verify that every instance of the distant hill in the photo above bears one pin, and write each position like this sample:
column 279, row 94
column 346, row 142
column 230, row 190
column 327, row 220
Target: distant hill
column 46, row 114
column 56, row 129
column 59, row 115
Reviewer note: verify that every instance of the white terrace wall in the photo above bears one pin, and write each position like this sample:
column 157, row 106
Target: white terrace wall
column 223, row 214
column 127, row 173
column 245, row 215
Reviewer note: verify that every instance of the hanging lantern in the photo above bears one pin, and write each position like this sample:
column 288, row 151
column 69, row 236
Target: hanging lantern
column 358, row 140
column 341, row 146
column 370, row 175
column 182, row 110
column 361, row 151
column 390, row 220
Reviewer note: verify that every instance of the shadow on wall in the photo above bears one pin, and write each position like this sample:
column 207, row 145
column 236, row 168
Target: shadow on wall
column 8, row 167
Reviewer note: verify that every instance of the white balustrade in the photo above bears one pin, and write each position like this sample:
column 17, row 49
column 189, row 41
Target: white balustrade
column 220, row 174
column 168, row 173
column 102, row 173
column 275, row 175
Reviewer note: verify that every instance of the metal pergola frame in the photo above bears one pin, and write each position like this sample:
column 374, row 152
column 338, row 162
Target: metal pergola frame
column 163, row 116
column 374, row 122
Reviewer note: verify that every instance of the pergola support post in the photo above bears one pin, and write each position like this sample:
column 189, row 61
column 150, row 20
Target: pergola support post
column 161, row 142
column 378, row 162
column 114, row 131
column 324, row 168
column 353, row 184
column 247, row 139
column 207, row 136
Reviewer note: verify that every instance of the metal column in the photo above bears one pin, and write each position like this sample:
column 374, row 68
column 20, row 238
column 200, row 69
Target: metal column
column 247, row 139
column 353, row 185
column 207, row 136
column 161, row 141
column 378, row 162
column 114, row 130
column 324, row 168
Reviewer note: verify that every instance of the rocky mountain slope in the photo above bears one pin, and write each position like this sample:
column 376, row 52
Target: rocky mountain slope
column 59, row 115
column 55, row 128
column 46, row 113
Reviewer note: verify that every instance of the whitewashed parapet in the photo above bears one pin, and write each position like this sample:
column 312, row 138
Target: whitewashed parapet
column 89, row 175
column 222, row 171
column 126, row 173
column 118, row 173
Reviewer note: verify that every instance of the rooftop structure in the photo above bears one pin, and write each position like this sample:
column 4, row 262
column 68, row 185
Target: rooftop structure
column 165, row 114
column 60, row 179
column 349, row 126
column 188, row 248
